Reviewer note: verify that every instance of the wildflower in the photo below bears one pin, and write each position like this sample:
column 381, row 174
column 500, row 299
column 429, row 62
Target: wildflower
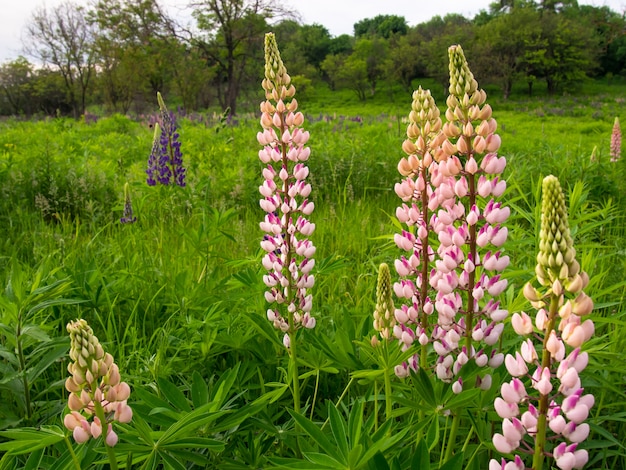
column 285, row 190
column 97, row 396
column 384, row 319
column 128, row 217
column 558, row 404
column 452, row 182
column 165, row 163
column 616, row 141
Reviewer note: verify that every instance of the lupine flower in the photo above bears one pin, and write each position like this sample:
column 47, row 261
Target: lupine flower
column 384, row 320
column 289, row 253
column 553, row 399
column 453, row 180
column 165, row 163
column 616, row 141
column 128, row 217
column 97, row 394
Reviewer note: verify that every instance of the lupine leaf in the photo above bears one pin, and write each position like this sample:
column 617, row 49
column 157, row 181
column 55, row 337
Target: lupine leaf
column 421, row 457
column 199, row 390
column 338, row 428
column 173, row 394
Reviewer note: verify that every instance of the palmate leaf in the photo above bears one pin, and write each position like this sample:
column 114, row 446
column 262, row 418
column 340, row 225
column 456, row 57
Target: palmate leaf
column 173, row 394
column 317, row 435
column 27, row 440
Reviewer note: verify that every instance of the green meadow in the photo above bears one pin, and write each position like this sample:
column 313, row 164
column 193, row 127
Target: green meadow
column 177, row 298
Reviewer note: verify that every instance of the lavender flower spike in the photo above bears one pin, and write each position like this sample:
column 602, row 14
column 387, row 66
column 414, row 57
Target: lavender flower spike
column 165, row 164
column 128, row 217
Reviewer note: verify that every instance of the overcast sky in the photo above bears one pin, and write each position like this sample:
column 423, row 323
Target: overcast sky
column 337, row 15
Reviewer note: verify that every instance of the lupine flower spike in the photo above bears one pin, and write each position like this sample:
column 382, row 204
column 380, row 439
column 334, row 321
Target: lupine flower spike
column 423, row 141
column 544, row 406
column 128, row 217
column 454, row 196
column 616, row 141
column 97, row 394
column 384, row 323
column 289, row 252
column 165, row 164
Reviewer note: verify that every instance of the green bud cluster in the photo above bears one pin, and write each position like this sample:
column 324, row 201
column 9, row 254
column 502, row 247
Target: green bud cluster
column 384, row 319
column 556, row 259
column 277, row 82
column 462, row 80
column 89, row 359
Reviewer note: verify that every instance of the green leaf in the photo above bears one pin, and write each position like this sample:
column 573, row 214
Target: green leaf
column 316, row 434
column 338, row 428
column 172, row 394
column 223, row 387
column 421, row 457
column 199, row 390
column 324, row 460
column 454, row 463
column 355, row 423
column 378, row 462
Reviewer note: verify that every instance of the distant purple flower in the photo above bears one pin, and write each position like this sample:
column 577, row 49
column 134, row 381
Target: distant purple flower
column 128, row 217
column 165, row 164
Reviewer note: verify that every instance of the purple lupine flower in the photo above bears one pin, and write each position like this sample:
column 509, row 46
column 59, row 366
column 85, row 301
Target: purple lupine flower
column 165, row 164
column 128, row 217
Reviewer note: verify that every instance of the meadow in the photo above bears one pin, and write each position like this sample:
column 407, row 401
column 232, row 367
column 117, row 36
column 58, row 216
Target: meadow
column 177, row 298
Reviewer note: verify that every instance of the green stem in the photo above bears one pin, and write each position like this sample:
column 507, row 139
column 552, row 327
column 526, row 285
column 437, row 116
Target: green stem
column 388, row 402
column 110, row 452
column 343, row 394
column 452, row 437
column 72, row 453
column 22, row 362
column 375, row 405
column 544, row 400
column 294, row 370
column 317, row 384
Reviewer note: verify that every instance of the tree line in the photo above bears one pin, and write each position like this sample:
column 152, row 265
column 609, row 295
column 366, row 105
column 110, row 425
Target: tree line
column 116, row 54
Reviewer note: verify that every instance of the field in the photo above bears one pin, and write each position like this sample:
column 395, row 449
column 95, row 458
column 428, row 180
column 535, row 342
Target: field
column 177, row 298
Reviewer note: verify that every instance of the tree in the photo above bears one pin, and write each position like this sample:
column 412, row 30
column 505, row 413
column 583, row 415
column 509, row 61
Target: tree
column 16, row 83
column 62, row 38
column 502, row 44
column 383, row 26
column 138, row 50
column 234, row 37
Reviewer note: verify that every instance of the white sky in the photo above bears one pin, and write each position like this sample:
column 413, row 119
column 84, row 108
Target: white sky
column 338, row 16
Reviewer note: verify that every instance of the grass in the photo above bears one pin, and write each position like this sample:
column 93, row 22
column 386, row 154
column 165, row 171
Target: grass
column 177, row 298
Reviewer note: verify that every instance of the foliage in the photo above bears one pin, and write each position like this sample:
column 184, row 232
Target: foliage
column 177, row 296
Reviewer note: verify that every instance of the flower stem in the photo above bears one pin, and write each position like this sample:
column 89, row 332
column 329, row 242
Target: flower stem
column 452, row 437
column 294, row 371
column 110, row 452
column 544, row 400
column 72, row 453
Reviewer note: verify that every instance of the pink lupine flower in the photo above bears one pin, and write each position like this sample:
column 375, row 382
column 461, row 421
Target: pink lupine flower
column 616, row 141
column 285, row 190
column 452, row 177
column 96, row 390
column 556, row 411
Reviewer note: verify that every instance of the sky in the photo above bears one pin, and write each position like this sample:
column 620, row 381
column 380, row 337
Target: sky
column 338, row 16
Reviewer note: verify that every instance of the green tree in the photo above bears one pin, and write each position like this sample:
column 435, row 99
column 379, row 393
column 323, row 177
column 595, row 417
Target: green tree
column 383, row 26
column 16, row 83
column 501, row 46
column 233, row 39
column 62, row 38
